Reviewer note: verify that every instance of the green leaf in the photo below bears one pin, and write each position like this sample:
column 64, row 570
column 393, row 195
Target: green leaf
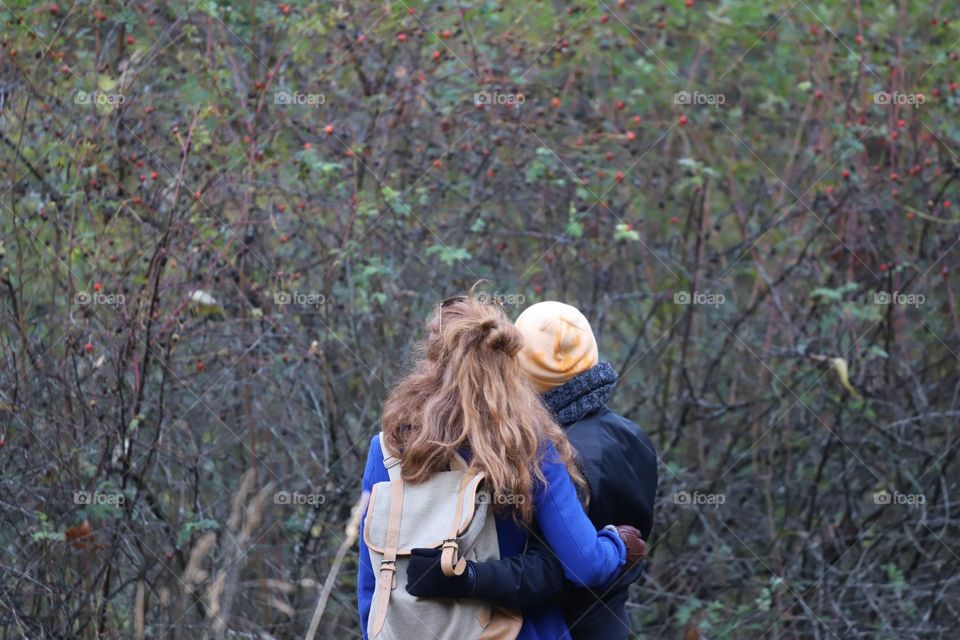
column 449, row 255
column 625, row 232
column 188, row 528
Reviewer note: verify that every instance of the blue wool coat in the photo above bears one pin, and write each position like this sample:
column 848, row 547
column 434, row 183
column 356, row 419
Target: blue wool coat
column 590, row 558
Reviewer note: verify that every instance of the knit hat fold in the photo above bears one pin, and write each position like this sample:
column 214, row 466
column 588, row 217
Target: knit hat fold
column 558, row 344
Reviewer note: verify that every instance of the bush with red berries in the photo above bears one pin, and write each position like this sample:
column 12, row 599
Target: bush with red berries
column 223, row 223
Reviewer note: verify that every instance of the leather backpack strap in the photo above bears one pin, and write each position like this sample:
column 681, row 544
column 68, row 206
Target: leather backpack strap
column 388, row 566
column 390, row 460
column 451, row 563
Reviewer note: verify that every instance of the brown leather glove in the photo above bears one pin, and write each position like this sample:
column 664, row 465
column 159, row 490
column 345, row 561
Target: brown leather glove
column 636, row 547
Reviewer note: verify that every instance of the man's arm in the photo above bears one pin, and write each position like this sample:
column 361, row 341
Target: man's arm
column 527, row 580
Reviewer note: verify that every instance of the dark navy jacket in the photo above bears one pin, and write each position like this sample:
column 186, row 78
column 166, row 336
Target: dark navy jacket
column 620, row 466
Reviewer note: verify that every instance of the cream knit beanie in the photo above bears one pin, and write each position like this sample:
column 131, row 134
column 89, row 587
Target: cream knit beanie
column 558, row 344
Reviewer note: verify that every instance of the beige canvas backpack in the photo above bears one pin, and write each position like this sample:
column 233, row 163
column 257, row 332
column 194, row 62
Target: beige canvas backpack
column 451, row 512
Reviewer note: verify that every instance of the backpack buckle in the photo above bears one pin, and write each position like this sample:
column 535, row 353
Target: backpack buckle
column 390, row 567
column 450, row 563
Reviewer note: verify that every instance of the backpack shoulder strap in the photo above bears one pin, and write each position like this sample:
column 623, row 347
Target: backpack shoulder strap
column 390, row 460
column 387, row 581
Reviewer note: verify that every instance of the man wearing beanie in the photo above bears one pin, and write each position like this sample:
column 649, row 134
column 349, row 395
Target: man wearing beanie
column 615, row 456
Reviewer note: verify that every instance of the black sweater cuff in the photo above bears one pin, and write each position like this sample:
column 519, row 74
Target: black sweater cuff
column 493, row 585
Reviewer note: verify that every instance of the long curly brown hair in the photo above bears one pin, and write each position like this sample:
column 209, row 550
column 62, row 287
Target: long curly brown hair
column 467, row 390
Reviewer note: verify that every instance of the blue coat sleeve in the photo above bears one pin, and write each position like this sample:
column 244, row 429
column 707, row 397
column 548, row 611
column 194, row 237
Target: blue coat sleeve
column 590, row 558
column 366, row 580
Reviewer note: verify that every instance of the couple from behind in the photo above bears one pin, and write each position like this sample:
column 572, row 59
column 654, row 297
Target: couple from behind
column 491, row 450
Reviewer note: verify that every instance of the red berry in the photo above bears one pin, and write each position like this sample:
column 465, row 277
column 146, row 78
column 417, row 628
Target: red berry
column 329, row 129
column 131, row 40
column 619, row 176
column 620, row 105
column 54, row 9
column 306, row 146
column 88, row 347
column 947, row 204
column 631, row 135
column 846, row 174
column 682, row 121
column 859, row 39
column 436, row 55
column 97, row 286
column 154, row 175
column 401, row 37
column 555, row 103
column 884, row 266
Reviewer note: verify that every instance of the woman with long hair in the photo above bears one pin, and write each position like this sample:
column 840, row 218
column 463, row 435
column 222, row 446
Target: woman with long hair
column 467, row 396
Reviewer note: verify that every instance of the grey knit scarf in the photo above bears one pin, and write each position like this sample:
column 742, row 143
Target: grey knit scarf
column 581, row 395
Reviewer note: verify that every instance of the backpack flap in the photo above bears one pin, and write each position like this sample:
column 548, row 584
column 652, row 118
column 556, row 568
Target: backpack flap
column 448, row 507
